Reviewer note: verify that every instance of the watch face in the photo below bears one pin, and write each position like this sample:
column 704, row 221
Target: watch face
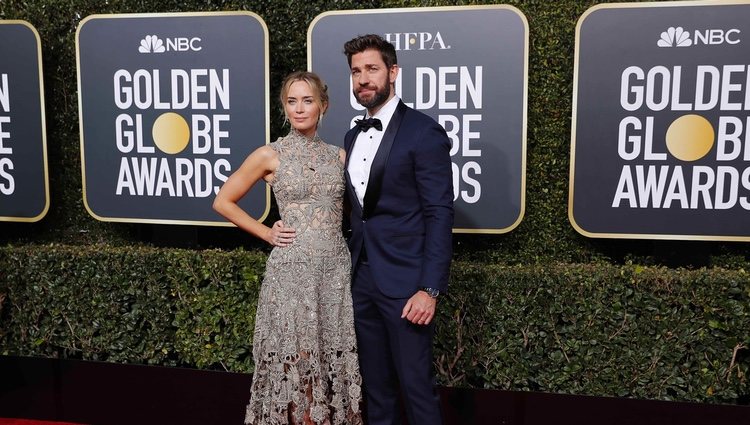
column 432, row 292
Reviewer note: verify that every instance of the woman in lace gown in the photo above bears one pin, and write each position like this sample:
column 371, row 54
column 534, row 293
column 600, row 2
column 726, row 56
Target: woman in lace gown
column 304, row 346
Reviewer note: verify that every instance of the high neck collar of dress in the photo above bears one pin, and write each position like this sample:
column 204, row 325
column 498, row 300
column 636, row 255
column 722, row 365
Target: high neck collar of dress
column 296, row 135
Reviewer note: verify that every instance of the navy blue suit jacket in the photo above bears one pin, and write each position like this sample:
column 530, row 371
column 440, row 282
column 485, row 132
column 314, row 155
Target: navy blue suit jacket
column 406, row 222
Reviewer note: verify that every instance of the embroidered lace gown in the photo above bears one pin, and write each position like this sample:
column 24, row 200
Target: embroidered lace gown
column 304, row 345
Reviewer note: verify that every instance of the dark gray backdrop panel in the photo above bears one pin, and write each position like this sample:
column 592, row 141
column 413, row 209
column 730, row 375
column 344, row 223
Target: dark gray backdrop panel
column 19, row 50
column 233, row 41
column 492, row 37
column 611, row 39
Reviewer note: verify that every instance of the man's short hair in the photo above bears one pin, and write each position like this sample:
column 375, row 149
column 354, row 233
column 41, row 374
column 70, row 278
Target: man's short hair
column 371, row 41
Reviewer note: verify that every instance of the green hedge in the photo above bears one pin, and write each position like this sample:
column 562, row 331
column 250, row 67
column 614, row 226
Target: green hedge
column 154, row 306
column 631, row 331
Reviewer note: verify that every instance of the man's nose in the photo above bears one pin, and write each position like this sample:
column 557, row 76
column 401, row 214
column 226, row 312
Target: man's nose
column 363, row 79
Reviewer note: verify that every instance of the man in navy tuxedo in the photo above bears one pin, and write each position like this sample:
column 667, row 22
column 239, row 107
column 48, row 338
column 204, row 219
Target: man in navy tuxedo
column 399, row 187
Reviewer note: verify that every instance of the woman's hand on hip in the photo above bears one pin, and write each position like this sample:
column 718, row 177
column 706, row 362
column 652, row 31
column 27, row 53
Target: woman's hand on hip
column 280, row 235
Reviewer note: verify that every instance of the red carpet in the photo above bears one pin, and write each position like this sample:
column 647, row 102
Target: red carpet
column 8, row 421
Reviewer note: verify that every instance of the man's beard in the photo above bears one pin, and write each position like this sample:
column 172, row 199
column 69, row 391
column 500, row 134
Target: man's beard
column 377, row 99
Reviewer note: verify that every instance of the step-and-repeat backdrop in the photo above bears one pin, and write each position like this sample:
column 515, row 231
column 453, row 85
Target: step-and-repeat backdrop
column 171, row 104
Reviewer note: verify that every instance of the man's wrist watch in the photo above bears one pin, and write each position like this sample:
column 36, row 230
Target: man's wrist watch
column 432, row 292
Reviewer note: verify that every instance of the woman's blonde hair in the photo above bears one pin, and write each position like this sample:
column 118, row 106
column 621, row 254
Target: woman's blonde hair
column 320, row 90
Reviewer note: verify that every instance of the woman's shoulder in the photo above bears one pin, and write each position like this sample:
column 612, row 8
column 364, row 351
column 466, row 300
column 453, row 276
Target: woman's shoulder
column 333, row 150
column 266, row 152
column 279, row 144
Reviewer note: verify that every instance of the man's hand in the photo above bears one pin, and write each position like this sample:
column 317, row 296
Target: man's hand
column 420, row 309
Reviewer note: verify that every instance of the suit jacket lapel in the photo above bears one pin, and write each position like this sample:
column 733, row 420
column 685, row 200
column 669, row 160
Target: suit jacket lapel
column 377, row 170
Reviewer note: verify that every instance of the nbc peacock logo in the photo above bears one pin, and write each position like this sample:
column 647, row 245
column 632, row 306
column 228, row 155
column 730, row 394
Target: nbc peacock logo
column 152, row 44
column 679, row 37
column 674, row 37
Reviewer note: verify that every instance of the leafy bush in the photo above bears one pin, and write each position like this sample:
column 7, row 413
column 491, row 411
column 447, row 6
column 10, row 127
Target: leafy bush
column 647, row 332
column 144, row 305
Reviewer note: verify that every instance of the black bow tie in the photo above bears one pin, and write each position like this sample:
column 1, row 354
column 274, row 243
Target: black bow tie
column 366, row 124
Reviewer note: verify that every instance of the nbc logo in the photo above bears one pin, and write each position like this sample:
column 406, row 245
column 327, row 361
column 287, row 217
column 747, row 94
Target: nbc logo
column 154, row 44
column 151, row 44
column 678, row 37
column 674, row 37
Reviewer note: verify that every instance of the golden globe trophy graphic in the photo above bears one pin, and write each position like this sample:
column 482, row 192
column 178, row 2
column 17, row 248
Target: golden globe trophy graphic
column 690, row 137
column 171, row 133
column 165, row 122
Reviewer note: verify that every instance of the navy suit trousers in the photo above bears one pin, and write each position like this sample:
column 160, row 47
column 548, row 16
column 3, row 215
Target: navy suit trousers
column 393, row 354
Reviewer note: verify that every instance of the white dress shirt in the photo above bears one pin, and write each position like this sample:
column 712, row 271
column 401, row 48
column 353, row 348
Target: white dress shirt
column 365, row 147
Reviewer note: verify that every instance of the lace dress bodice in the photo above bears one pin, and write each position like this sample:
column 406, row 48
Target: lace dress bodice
column 309, row 188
